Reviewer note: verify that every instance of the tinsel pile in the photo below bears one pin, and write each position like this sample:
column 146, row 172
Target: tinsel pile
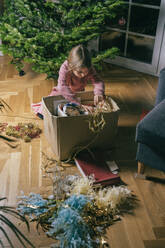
column 77, row 214
column 25, row 131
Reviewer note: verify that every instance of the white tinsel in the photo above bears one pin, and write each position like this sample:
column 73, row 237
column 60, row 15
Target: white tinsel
column 83, row 185
column 112, row 197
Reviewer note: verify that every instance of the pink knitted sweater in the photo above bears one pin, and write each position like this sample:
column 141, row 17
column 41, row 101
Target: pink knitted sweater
column 68, row 84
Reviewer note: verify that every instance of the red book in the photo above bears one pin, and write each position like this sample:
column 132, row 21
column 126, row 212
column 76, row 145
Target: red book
column 93, row 164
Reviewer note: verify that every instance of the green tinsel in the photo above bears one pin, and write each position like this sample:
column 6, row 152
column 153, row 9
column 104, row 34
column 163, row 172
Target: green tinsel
column 26, row 131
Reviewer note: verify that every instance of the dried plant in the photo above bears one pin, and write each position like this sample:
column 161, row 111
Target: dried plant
column 5, row 222
column 4, row 106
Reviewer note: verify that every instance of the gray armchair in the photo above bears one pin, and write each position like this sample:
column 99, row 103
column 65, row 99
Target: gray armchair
column 150, row 133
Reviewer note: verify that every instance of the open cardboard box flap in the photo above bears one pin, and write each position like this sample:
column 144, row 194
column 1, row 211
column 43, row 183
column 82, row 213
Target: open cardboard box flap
column 64, row 133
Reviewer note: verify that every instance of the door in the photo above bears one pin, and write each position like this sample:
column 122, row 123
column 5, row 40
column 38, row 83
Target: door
column 137, row 31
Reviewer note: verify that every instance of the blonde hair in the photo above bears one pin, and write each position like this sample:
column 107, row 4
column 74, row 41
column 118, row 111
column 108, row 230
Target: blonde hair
column 79, row 57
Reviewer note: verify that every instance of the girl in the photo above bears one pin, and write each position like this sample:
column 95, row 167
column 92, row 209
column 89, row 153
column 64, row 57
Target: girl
column 74, row 74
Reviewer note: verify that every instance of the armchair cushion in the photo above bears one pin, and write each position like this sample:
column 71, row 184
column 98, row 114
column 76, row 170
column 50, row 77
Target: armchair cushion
column 151, row 129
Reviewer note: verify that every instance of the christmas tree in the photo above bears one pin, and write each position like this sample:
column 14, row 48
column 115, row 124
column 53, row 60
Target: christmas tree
column 42, row 32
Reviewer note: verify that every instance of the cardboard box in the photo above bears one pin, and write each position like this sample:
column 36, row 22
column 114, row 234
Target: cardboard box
column 66, row 132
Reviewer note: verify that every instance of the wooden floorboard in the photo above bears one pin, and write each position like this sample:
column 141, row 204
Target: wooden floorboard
column 21, row 168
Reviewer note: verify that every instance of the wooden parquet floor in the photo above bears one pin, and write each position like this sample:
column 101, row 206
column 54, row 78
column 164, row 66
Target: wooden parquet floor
column 21, row 167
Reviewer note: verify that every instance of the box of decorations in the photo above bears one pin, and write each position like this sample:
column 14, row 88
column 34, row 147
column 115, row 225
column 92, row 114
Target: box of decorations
column 69, row 127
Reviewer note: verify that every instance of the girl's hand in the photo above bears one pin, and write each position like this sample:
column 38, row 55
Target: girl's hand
column 87, row 108
column 98, row 98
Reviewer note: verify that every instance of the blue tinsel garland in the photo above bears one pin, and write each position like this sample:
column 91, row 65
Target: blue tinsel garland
column 67, row 224
column 80, row 220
